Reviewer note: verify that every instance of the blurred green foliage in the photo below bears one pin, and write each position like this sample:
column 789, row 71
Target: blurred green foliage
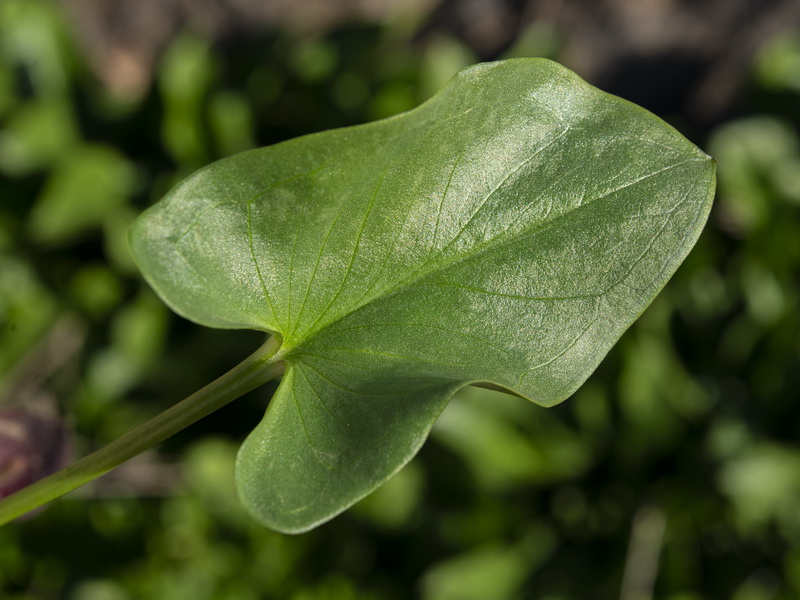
column 693, row 417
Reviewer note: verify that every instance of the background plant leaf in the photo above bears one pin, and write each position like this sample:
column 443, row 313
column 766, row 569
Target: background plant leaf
column 505, row 232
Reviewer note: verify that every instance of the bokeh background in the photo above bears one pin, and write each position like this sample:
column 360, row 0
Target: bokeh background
column 674, row 473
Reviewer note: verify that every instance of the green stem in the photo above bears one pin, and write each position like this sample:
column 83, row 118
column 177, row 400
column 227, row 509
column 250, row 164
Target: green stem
column 260, row 367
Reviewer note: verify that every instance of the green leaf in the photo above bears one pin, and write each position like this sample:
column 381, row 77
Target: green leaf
column 505, row 232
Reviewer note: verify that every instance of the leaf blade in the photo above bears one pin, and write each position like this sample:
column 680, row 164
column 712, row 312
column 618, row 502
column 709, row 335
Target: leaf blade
column 506, row 232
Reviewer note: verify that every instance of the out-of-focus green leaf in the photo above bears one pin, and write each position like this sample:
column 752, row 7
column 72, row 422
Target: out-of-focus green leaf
column 314, row 60
column 763, row 292
column 8, row 92
column 33, row 34
column 778, row 62
column 186, row 72
column 538, row 39
column 443, row 58
column 393, row 98
column 137, row 333
column 88, row 186
column 761, row 585
column 209, row 475
column 393, row 505
column 27, row 309
column 491, row 572
column 231, row 121
column 35, row 135
column 498, row 451
column 759, row 167
column 96, row 289
column 92, row 589
column 763, row 482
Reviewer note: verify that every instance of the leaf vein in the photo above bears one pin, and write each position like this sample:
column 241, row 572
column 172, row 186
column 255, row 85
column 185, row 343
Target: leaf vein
column 505, row 295
column 319, row 398
column 569, row 346
column 513, row 172
column 389, row 354
column 424, row 326
column 256, row 265
column 316, row 265
column 348, row 390
column 314, row 449
column 355, row 251
column 441, row 203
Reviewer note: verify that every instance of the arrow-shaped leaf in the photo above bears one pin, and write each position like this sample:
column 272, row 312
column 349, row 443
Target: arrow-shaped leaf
column 506, row 233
